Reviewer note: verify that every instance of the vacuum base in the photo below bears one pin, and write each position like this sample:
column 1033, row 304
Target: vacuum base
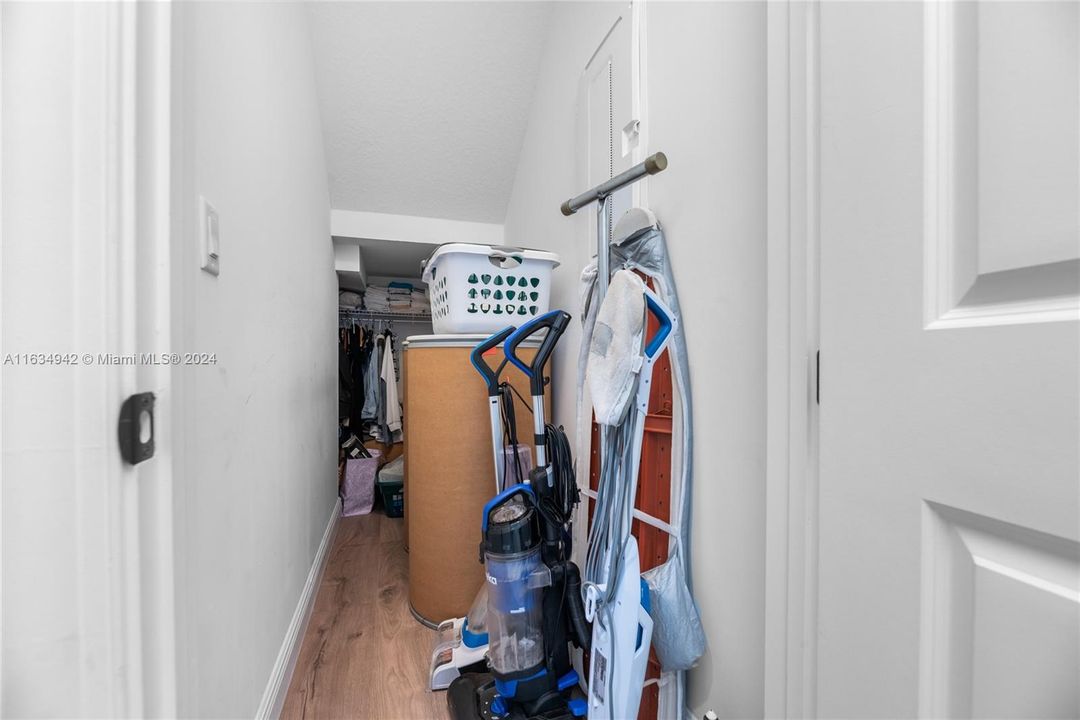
column 469, row 697
column 452, row 656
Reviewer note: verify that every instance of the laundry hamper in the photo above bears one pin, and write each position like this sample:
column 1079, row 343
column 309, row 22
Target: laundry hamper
column 483, row 288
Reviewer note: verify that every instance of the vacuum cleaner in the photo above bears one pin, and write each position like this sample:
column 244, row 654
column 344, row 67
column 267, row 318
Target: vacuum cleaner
column 535, row 608
column 462, row 643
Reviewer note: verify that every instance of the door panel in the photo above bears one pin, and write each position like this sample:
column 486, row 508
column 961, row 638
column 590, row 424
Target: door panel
column 87, row 558
column 608, row 101
column 998, row 603
column 949, row 564
column 1001, row 150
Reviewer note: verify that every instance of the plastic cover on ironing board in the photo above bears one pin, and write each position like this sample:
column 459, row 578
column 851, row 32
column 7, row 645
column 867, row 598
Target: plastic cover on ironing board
column 637, row 245
column 678, row 637
column 615, row 349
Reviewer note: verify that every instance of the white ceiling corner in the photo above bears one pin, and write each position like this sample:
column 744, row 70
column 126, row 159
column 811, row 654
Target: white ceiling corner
column 425, row 104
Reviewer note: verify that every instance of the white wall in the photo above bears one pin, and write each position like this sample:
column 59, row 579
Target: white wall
column 706, row 110
column 256, row 433
column 412, row 228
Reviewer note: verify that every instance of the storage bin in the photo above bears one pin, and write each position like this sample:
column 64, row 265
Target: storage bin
column 483, row 288
column 392, row 487
column 393, row 497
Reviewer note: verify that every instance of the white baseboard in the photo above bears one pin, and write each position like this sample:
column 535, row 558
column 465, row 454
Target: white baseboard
column 277, row 687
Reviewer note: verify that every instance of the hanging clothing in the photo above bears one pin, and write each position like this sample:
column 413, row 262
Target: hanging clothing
column 350, row 373
column 356, row 364
column 371, row 382
column 389, row 378
column 381, row 431
column 345, row 377
column 368, row 382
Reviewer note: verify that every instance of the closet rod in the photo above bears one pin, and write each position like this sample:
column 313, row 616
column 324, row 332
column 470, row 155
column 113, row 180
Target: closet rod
column 652, row 165
column 378, row 315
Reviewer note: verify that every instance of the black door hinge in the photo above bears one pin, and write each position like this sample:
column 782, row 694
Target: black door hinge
column 817, row 377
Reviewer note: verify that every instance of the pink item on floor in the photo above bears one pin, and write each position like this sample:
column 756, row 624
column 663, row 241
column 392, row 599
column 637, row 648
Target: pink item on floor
column 358, row 488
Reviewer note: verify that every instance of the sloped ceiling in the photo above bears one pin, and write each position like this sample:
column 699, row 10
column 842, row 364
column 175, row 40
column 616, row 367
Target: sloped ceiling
column 424, row 105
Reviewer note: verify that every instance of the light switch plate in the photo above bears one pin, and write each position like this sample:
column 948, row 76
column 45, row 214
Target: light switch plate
column 631, row 135
column 210, row 234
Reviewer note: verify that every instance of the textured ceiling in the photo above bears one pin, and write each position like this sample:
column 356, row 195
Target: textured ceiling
column 424, row 105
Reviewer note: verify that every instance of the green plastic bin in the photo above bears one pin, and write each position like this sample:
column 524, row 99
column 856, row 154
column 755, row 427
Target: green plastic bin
column 391, row 484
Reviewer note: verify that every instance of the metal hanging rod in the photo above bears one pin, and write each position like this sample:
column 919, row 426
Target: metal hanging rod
column 601, row 194
column 383, row 315
column 653, row 164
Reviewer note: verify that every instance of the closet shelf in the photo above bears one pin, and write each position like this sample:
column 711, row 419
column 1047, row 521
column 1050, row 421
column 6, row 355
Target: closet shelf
column 386, row 315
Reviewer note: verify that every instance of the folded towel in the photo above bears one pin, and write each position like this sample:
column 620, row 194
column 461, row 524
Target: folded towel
column 347, row 298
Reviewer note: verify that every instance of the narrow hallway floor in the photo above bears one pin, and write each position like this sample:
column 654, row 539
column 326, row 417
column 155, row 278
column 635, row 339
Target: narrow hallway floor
column 363, row 654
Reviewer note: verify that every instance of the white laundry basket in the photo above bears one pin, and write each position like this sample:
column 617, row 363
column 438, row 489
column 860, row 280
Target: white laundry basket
column 484, row 288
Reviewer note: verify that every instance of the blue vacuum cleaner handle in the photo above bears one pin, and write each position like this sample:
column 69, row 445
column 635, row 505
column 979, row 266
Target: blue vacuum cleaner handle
column 556, row 323
column 491, row 377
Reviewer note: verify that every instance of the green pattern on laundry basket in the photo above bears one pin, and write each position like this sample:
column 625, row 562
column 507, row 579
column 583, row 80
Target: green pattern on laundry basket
column 526, row 299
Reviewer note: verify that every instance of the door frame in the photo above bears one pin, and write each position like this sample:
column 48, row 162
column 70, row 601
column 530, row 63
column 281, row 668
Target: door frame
column 135, row 40
column 792, row 359
column 125, row 77
column 148, row 80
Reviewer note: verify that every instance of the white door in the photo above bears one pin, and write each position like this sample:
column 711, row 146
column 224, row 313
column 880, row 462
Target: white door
column 609, row 113
column 949, row 565
column 86, row 567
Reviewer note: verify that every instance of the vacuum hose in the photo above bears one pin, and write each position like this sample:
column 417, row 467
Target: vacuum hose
column 576, row 608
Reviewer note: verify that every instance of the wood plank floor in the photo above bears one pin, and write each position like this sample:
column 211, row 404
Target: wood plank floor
column 364, row 655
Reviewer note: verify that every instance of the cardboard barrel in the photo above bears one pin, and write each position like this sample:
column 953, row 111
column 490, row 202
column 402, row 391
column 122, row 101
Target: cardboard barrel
column 449, row 472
